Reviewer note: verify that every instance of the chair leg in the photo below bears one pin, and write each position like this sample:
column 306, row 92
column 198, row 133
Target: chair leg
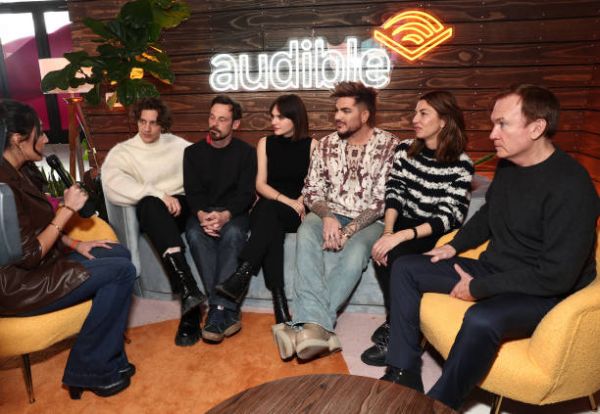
column 496, row 405
column 28, row 380
column 593, row 402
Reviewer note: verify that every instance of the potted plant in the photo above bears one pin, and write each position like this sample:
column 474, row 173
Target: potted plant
column 128, row 52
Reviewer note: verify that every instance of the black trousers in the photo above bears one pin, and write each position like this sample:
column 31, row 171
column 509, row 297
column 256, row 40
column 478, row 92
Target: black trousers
column 417, row 246
column 162, row 228
column 486, row 324
column 269, row 222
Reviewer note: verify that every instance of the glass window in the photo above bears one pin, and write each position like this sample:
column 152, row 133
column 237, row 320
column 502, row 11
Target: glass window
column 21, row 61
column 58, row 27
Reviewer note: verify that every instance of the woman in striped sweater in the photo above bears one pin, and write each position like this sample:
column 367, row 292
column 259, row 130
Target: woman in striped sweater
column 427, row 194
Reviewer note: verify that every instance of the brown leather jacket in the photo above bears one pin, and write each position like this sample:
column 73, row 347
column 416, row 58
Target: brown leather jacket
column 33, row 281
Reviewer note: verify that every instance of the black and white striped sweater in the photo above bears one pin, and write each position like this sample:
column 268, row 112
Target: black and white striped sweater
column 425, row 189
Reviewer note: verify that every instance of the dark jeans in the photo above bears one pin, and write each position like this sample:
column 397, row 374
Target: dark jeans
column 217, row 256
column 269, row 222
column 485, row 326
column 99, row 352
column 416, row 246
column 163, row 229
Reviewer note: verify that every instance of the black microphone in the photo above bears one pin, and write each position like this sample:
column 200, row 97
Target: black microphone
column 88, row 208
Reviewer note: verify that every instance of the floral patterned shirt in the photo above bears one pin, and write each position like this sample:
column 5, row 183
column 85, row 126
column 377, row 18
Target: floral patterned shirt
column 350, row 190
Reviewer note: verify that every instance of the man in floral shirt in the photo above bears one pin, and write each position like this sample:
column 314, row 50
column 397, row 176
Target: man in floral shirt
column 344, row 190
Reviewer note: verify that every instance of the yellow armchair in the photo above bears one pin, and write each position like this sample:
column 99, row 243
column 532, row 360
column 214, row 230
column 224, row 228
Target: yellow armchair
column 561, row 361
column 24, row 335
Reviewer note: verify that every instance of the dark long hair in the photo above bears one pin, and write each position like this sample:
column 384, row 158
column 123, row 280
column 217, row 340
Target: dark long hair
column 292, row 107
column 452, row 139
column 18, row 118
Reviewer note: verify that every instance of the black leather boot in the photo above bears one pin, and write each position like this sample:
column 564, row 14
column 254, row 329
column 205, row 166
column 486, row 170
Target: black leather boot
column 236, row 285
column 280, row 306
column 183, row 282
column 189, row 332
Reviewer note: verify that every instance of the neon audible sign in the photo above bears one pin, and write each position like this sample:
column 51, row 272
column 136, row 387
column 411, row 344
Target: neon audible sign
column 413, row 33
column 307, row 64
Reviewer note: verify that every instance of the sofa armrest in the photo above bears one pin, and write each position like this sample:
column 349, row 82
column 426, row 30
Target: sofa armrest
column 125, row 223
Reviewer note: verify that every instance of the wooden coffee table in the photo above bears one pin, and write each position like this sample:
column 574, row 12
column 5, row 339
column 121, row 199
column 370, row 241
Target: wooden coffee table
column 335, row 394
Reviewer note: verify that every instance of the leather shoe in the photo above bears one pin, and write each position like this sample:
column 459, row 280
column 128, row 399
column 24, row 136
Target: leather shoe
column 375, row 356
column 403, row 377
column 236, row 286
column 313, row 340
column 128, row 371
column 189, row 332
column 284, row 336
column 102, row 391
column 381, row 334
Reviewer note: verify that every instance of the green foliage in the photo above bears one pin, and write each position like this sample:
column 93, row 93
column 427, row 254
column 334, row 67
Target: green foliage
column 127, row 51
column 484, row 159
column 56, row 188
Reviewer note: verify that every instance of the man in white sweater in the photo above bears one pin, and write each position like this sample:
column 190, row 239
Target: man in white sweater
column 146, row 171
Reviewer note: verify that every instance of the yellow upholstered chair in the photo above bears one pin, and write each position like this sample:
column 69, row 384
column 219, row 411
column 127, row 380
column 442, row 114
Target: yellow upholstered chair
column 24, row 335
column 560, row 362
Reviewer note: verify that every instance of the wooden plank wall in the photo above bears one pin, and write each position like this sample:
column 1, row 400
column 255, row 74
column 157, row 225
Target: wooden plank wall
column 496, row 43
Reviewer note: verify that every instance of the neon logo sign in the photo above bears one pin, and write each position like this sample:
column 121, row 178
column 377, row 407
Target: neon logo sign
column 307, row 64
column 411, row 34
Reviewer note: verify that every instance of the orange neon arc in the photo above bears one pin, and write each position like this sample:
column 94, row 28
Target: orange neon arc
column 413, row 33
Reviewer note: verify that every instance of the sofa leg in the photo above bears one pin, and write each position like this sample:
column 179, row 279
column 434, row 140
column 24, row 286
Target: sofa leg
column 28, row 380
column 496, row 405
column 593, row 402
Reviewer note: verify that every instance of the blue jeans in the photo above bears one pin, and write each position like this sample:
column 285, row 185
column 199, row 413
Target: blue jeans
column 99, row 353
column 325, row 279
column 217, row 257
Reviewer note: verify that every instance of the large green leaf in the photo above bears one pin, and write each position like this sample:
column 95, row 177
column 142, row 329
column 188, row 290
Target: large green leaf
column 55, row 79
column 132, row 90
column 136, row 14
column 171, row 16
column 99, row 28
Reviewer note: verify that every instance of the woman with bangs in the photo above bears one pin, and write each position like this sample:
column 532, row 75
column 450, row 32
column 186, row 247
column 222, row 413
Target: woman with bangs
column 283, row 160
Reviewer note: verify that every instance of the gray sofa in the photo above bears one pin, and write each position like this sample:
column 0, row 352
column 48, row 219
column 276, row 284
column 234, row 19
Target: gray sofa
column 152, row 281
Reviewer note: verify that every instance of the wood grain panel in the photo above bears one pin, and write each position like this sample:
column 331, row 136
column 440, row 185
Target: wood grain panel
column 319, row 121
column 446, row 78
column 497, row 43
column 592, row 122
column 449, row 10
column 589, row 144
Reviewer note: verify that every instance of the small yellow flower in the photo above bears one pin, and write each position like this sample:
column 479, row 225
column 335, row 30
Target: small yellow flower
column 136, row 73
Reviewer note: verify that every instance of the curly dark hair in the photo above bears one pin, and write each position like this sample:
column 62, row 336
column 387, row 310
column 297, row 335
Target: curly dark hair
column 164, row 119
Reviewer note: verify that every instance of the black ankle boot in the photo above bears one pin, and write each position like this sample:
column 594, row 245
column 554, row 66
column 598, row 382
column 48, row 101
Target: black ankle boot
column 280, row 306
column 183, row 282
column 236, row 285
column 189, row 332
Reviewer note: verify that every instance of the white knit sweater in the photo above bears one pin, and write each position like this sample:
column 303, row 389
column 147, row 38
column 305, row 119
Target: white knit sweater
column 133, row 169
